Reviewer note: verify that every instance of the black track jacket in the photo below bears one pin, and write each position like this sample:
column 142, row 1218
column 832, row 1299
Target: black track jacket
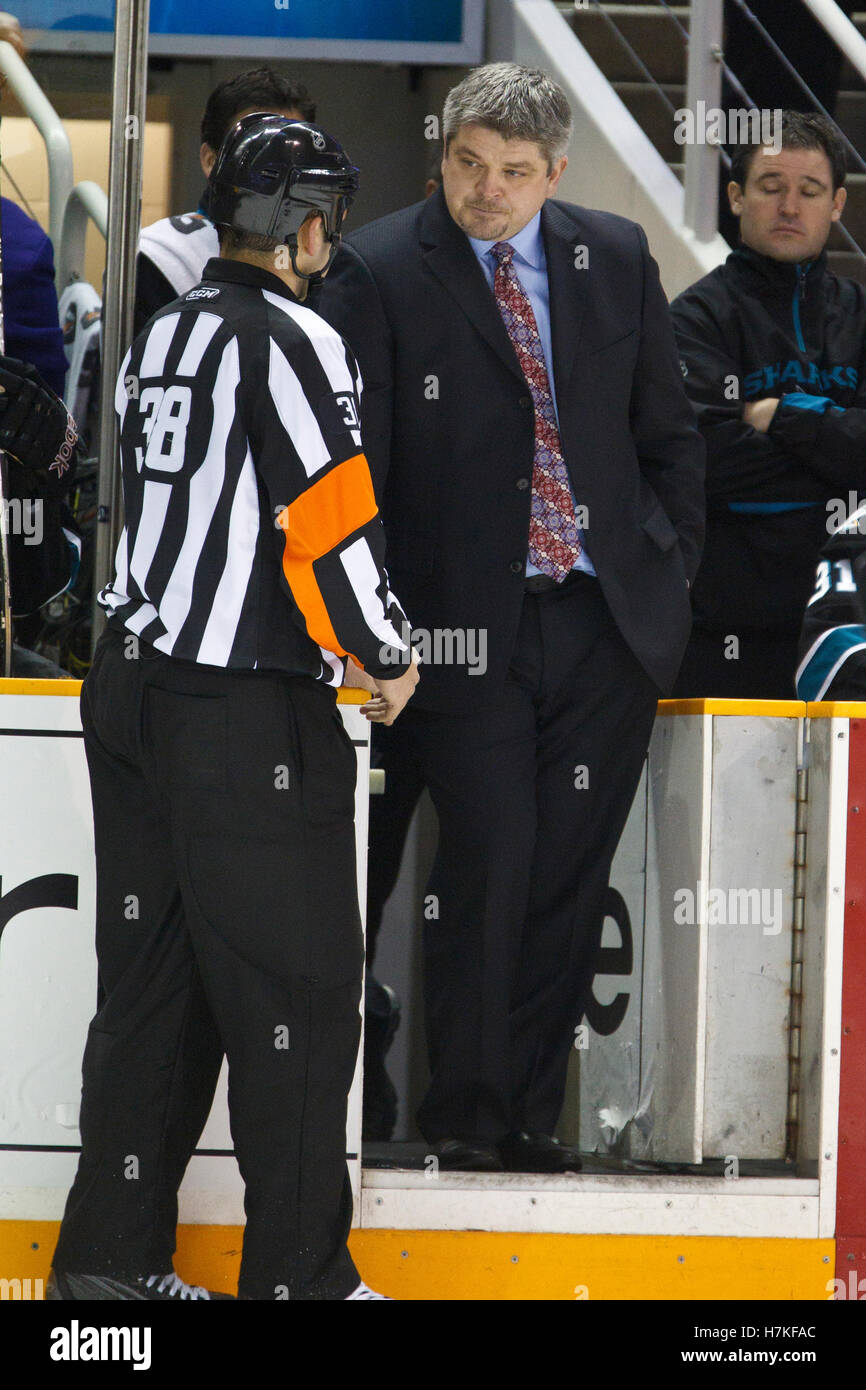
column 758, row 327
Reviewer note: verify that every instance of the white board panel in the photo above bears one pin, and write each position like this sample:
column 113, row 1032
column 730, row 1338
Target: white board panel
column 750, row 916
column 820, row 1039
column 675, row 952
column 614, row 1108
column 48, row 968
column 617, row 1205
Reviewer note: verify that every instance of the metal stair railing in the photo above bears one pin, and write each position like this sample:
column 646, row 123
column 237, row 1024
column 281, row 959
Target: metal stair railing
column 87, row 201
column 703, row 82
column 852, row 45
column 57, row 147
column 839, row 28
column 69, row 205
column 706, row 65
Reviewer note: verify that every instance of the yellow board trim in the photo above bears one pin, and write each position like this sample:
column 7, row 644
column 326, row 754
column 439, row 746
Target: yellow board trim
column 503, row 1267
column 15, row 686
column 837, row 709
column 767, row 709
column 346, row 695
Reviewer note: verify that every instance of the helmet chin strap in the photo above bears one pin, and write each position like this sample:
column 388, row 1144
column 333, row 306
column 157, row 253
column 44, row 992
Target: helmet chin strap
column 317, row 275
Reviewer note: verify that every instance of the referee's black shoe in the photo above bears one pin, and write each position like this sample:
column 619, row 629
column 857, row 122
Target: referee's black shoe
column 92, row 1288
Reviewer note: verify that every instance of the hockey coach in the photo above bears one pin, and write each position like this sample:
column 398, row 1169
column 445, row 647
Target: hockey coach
column 541, row 481
column 250, row 566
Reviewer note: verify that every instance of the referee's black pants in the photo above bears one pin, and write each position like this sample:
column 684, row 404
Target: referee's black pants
column 532, row 796
column 227, row 922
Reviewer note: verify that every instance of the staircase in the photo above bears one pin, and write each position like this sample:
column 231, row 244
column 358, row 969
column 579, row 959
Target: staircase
column 655, row 37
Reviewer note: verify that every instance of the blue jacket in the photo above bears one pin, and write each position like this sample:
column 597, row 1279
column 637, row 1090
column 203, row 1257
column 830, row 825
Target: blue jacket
column 30, row 320
column 32, row 333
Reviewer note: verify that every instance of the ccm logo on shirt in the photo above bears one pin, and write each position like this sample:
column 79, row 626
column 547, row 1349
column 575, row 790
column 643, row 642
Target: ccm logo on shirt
column 202, row 294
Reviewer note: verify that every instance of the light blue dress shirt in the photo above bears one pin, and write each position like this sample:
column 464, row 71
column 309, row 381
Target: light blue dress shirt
column 530, row 267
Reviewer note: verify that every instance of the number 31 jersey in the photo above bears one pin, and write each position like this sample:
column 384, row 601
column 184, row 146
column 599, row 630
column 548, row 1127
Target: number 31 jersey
column 832, row 648
column 252, row 537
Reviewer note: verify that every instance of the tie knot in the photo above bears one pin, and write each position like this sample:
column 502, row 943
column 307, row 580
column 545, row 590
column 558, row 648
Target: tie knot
column 503, row 251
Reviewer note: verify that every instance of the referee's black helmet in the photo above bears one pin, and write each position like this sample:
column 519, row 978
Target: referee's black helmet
column 272, row 172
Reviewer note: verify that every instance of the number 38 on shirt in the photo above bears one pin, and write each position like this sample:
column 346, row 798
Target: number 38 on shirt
column 165, row 417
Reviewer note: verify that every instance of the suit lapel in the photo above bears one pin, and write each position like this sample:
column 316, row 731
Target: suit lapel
column 569, row 289
column 447, row 252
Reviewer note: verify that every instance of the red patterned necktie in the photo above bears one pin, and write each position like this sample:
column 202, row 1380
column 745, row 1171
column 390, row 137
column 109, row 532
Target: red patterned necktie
column 554, row 543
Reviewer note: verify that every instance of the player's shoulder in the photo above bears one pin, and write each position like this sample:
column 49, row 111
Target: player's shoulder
column 848, row 294
column 19, row 225
column 24, row 241
column 169, row 229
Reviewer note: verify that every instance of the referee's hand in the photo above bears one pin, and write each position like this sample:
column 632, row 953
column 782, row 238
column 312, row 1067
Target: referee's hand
column 393, row 696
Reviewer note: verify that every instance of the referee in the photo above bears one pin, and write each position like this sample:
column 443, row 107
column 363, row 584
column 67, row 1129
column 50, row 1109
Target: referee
column 249, row 569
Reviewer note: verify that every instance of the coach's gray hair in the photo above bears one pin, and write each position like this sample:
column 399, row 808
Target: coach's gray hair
column 519, row 103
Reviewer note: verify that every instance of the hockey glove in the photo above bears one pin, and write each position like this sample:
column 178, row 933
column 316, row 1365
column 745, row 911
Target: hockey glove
column 35, row 426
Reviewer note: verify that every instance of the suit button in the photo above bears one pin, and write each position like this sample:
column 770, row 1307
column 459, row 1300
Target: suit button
column 516, row 566
column 522, row 484
column 525, row 402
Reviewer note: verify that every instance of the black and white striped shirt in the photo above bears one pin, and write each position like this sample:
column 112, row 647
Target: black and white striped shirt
column 252, row 537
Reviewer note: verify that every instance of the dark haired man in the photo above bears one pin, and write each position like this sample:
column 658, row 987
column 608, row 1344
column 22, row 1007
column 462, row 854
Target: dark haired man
column 541, row 485
column 173, row 252
column 809, row 78
column 772, row 348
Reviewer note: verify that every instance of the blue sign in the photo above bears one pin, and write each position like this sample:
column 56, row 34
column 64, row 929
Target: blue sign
column 327, row 21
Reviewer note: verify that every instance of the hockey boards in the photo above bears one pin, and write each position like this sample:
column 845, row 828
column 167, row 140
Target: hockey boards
column 5, row 582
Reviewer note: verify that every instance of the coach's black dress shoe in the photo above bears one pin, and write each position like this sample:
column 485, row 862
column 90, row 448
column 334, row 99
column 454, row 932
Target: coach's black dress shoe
column 537, row 1153
column 466, row 1156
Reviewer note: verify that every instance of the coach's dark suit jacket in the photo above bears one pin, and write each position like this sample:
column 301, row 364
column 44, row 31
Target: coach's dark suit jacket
column 447, row 423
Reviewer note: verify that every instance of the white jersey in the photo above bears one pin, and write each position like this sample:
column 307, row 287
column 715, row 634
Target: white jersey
column 80, row 310
column 180, row 248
